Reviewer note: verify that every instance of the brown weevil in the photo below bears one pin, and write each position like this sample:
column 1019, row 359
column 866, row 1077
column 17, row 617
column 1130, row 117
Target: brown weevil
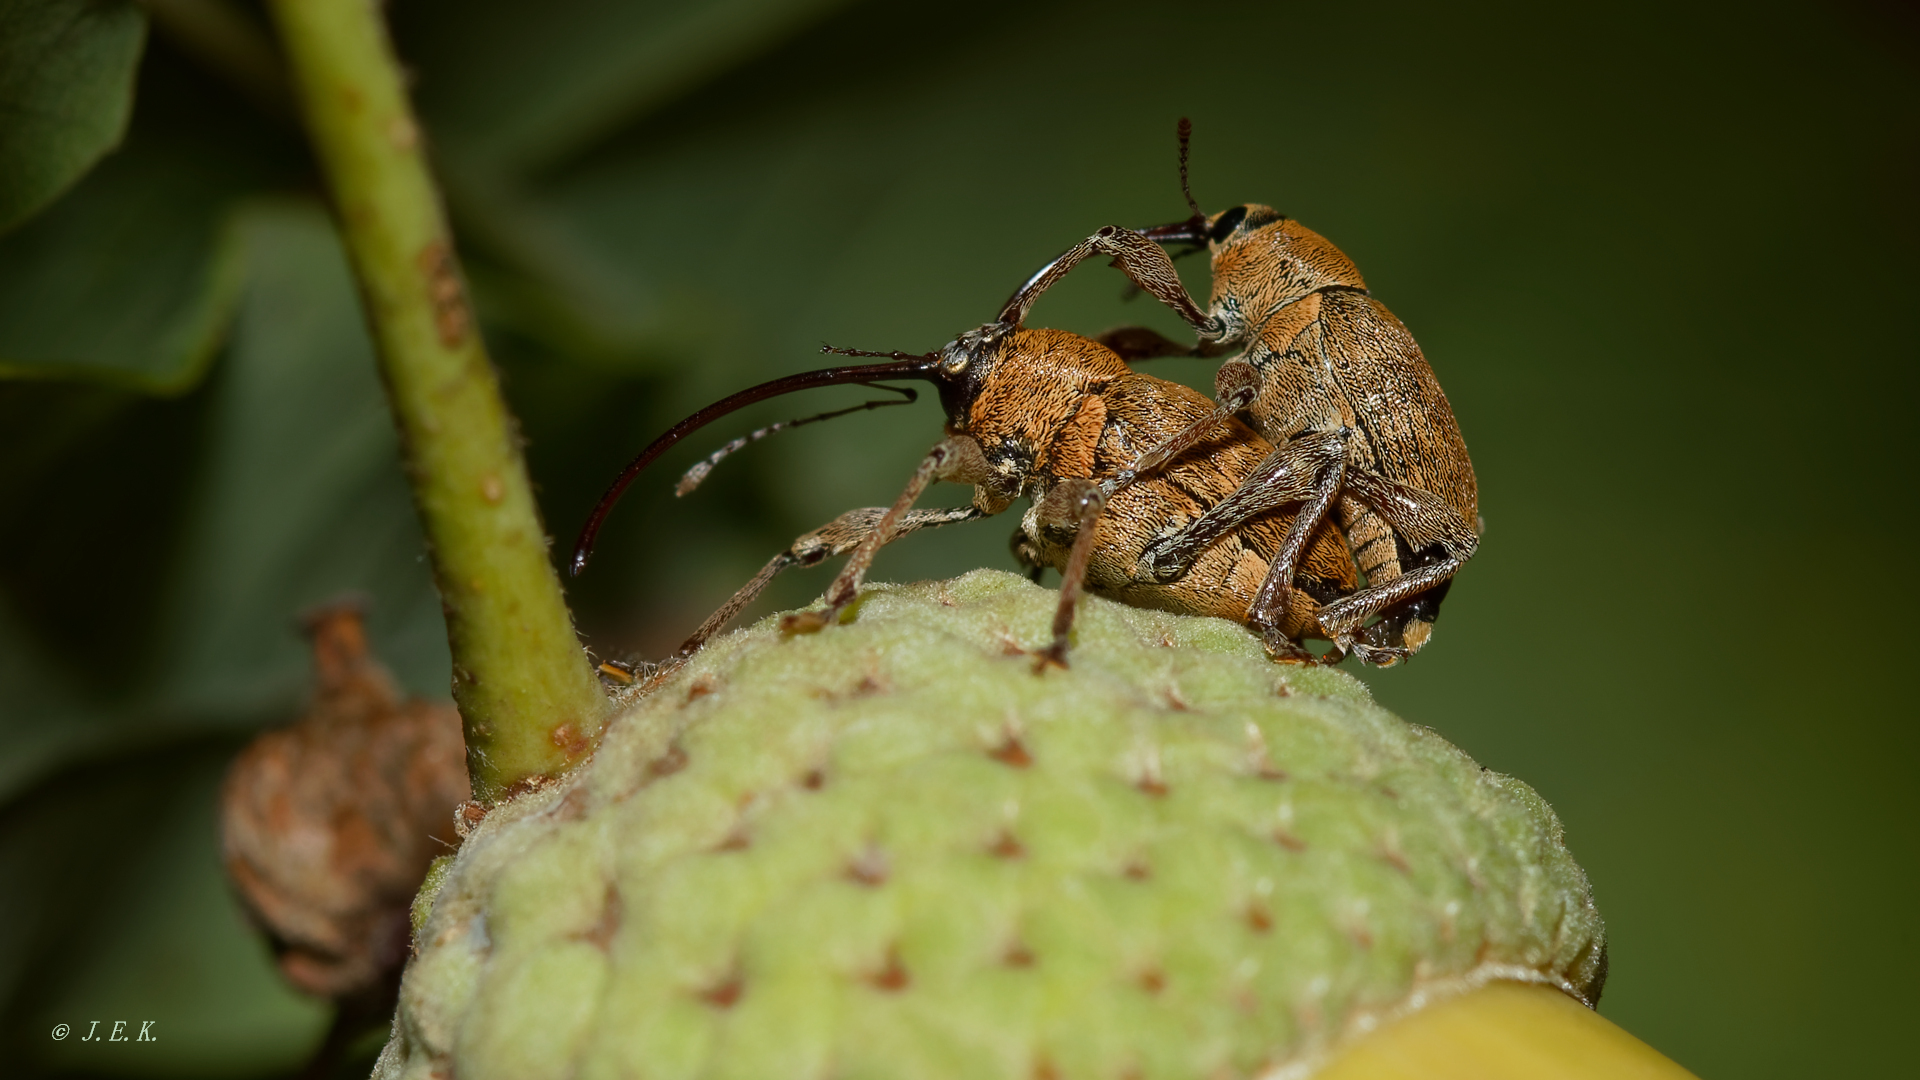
column 1334, row 380
column 1063, row 421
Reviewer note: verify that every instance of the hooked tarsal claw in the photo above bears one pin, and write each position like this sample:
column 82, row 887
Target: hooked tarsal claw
column 1379, row 655
column 1161, row 562
column 1283, row 648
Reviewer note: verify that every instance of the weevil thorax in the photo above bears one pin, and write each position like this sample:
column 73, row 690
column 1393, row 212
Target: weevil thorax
column 1015, row 391
column 1263, row 261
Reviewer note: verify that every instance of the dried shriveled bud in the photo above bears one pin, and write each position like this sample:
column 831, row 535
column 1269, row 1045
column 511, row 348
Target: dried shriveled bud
column 328, row 825
column 890, row 849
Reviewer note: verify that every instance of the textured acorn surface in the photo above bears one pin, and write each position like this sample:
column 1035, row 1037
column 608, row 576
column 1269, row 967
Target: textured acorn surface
column 890, row 849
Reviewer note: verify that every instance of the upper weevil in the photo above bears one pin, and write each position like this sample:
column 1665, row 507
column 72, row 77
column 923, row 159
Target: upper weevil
column 1327, row 374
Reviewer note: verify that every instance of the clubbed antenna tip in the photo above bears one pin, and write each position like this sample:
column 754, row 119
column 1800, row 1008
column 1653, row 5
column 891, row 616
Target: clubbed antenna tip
column 1186, row 137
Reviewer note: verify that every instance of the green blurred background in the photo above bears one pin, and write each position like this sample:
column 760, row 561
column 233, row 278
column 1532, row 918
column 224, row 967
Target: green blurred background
column 1662, row 257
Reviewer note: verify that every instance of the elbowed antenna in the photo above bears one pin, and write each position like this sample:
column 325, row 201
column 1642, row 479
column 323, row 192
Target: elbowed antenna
column 1184, row 130
column 905, row 366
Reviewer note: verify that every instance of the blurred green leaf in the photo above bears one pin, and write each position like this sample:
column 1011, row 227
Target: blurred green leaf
column 121, row 911
column 301, row 494
column 131, row 621
column 83, row 577
column 131, row 279
column 511, row 87
column 508, row 90
column 532, row 274
column 66, row 89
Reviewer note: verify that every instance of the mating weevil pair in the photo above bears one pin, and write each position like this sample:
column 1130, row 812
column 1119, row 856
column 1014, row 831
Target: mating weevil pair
column 1145, row 491
column 1327, row 374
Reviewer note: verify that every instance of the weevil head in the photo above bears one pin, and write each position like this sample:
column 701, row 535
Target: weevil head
column 1000, row 379
column 1018, row 392
column 1000, row 384
column 1264, row 260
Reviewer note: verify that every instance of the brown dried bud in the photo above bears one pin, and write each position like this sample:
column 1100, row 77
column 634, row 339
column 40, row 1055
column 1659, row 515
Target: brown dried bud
column 328, row 825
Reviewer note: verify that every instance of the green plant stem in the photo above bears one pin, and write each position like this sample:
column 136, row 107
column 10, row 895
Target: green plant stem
column 527, row 694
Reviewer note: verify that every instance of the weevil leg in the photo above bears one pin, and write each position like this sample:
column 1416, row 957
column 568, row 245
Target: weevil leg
column 1269, row 605
column 1423, row 519
column 1307, row 470
column 1077, row 503
column 939, row 461
column 747, row 593
column 1342, row 619
column 1440, row 540
column 1236, row 386
column 1312, row 470
column 836, row 537
column 1143, row 260
column 1408, row 624
column 1286, row 650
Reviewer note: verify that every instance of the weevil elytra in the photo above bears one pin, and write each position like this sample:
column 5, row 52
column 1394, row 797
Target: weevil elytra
column 1330, row 376
column 1063, row 421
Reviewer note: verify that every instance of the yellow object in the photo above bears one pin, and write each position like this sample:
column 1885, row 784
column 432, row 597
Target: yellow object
column 1502, row 1031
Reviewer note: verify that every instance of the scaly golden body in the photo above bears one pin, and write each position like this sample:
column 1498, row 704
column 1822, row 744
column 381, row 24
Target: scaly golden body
column 1079, row 412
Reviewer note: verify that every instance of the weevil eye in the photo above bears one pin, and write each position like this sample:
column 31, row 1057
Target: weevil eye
column 1242, row 219
column 1224, row 225
column 978, row 344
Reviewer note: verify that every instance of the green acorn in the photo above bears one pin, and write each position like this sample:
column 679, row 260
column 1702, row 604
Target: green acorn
column 891, row 849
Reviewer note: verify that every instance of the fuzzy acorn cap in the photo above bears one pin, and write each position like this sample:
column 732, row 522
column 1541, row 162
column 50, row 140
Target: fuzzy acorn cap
column 892, row 850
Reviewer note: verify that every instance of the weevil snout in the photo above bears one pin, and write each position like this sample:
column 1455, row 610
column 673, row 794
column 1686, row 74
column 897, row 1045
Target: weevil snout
column 1216, row 229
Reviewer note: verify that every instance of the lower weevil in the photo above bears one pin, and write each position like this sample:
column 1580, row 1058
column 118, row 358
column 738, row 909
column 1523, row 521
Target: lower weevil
column 1063, row 421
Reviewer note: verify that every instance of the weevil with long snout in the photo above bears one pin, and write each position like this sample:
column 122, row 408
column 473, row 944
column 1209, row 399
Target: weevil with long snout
column 1064, row 422
column 1334, row 380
